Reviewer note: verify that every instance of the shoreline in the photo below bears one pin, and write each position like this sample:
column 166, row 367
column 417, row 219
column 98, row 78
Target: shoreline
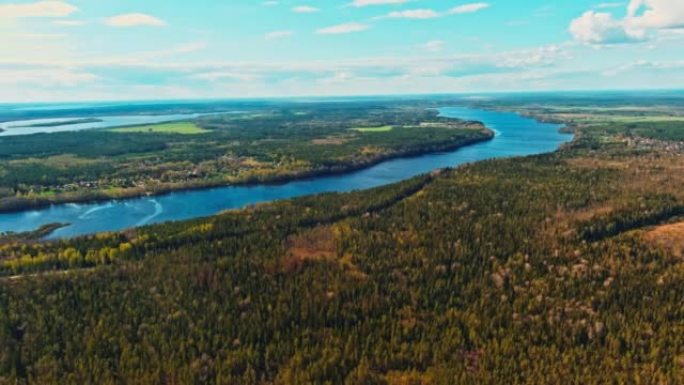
column 23, row 205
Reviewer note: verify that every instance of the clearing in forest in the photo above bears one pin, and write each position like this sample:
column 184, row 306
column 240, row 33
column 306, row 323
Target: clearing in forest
column 373, row 129
column 186, row 128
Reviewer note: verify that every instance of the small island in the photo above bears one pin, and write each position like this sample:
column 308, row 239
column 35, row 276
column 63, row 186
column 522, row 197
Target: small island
column 62, row 123
column 30, row 236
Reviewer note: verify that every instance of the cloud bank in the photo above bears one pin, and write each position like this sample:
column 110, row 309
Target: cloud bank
column 645, row 20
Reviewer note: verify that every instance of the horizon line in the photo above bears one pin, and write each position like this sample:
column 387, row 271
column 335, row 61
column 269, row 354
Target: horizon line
column 358, row 96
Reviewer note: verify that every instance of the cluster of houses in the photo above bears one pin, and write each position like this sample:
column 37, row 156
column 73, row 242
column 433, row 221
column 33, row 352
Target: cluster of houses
column 79, row 186
column 675, row 147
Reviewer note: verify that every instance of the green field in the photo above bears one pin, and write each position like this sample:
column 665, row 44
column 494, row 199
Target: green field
column 373, row 129
column 598, row 118
column 185, row 128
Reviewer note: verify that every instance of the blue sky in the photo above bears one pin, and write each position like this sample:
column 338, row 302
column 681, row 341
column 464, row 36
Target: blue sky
column 167, row 49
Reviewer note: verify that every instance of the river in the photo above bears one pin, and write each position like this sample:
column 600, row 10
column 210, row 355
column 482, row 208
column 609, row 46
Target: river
column 515, row 136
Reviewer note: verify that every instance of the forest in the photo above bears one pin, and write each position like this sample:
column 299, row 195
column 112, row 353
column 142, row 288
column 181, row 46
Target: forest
column 263, row 145
column 564, row 268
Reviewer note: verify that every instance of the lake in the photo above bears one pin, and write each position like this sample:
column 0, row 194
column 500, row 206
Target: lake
column 515, row 136
column 35, row 126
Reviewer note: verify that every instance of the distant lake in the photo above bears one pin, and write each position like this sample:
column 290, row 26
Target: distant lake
column 26, row 127
column 516, row 136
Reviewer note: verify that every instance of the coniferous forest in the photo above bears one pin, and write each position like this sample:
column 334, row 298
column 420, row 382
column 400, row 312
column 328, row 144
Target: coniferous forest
column 561, row 268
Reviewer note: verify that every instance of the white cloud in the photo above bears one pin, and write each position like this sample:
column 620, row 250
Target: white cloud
column 432, row 14
column 599, row 28
column 68, row 23
column 37, row 9
column 338, row 77
column 412, row 14
column 27, row 46
column 609, row 5
column 60, row 77
column 468, row 8
column 274, row 35
column 222, row 76
column 544, row 56
column 134, row 20
column 342, row 28
column 366, row 3
column 655, row 14
column 434, row 45
column 652, row 66
column 305, row 9
column 190, row 47
column 645, row 19
column 427, row 13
